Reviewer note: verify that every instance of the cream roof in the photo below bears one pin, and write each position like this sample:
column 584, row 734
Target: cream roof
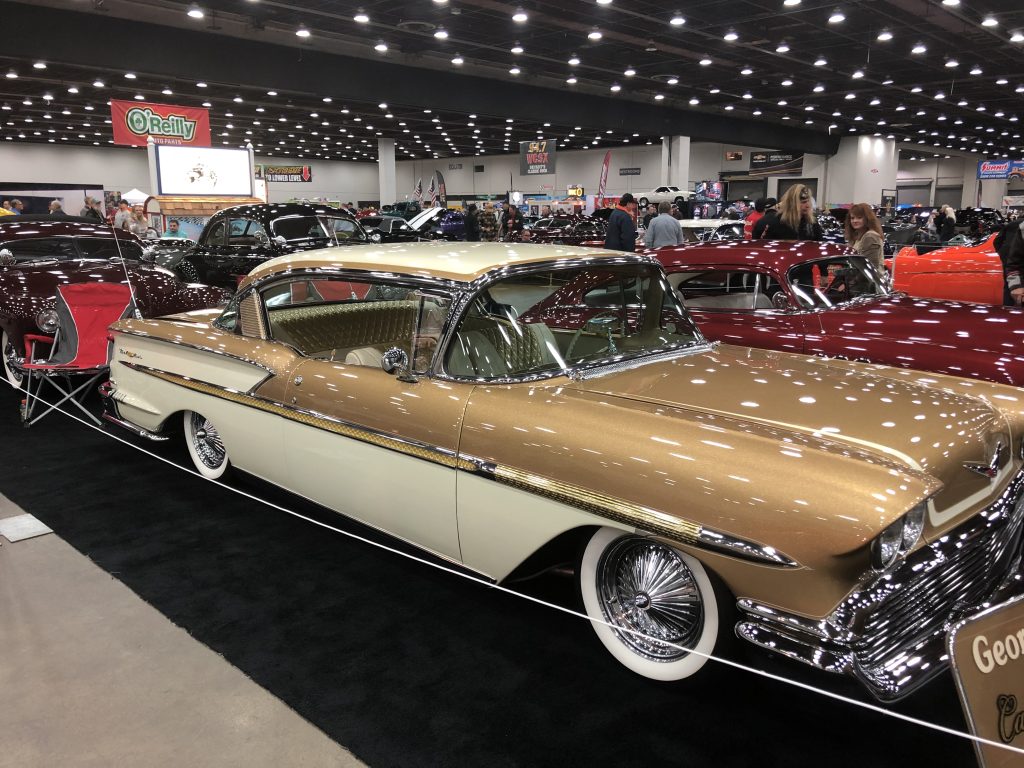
column 459, row 261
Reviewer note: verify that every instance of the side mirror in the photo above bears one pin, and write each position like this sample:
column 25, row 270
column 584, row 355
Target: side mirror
column 279, row 240
column 7, row 258
column 396, row 361
column 262, row 238
column 781, row 301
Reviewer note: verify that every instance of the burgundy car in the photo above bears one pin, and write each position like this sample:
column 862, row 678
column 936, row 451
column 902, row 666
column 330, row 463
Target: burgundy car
column 40, row 253
column 567, row 230
column 821, row 299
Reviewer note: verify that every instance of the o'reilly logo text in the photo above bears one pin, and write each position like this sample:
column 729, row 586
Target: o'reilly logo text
column 143, row 121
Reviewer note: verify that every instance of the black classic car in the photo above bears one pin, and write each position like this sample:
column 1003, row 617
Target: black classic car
column 389, row 229
column 570, row 230
column 236, row 240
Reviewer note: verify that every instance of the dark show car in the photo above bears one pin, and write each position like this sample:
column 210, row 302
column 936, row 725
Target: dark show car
column 821, row 299
column 389, row 229
column 40, row 253
column 568, row 230
column 439, row 224
column 236, row 240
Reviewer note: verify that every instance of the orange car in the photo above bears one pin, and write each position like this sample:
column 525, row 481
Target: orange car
column 959, row 273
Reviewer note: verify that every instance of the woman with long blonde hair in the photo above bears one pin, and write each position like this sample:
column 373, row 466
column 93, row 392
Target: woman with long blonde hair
column 794, row 218
column 864, row 234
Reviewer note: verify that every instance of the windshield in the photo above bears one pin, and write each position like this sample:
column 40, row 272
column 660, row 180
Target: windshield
column 827, row 282
column 561, row 320
column 106, row 248
column 318, row 230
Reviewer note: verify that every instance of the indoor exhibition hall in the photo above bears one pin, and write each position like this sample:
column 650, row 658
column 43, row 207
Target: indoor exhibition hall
column 503, row 383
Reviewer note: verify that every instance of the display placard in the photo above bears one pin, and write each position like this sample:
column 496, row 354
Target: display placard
column 199, row 171
column 574, row 190
column 630, row 171
column 987, row 655
column 285, row 173
column 134, row 122
column 776, row 164
column 536, row 158
column 1000, row 169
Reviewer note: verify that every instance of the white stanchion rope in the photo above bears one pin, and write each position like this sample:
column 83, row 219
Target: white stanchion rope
column 469, row 577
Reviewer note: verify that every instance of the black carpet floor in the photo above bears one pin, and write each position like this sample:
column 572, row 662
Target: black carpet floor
column 409, row 666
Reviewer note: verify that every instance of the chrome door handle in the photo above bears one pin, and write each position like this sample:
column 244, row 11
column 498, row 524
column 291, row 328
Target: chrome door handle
column 298, row 381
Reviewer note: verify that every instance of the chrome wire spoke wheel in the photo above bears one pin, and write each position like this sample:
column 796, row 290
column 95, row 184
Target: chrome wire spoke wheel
column 205, row 445
column 8, row 354
column 653, row 607
column 647, row 590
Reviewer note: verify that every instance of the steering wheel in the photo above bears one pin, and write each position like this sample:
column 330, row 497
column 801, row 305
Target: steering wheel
column 605, row 313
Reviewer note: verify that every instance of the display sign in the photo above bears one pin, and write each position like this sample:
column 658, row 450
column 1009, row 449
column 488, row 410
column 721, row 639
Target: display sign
column 454, row 166
column 1001, row 169
column 203, row 171
column 289, row 173
column 987, row 653
column 709, row 190
column 776, row 164
column 1013, row 201
column 629, row 171
column 574, row 191
column 536, row 158
column 134, row 122
column 733, row 157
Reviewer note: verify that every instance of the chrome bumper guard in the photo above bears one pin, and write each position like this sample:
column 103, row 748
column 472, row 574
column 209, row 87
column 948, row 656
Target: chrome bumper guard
column 110, row 414
column 890, row 633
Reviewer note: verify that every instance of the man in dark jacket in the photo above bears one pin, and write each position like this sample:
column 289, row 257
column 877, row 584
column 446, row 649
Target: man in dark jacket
column 1009, row 245
column 472, row 229
column 620, row 234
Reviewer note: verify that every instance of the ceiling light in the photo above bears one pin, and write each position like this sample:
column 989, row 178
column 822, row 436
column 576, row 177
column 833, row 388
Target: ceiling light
column 952, row 3
column 630, row 72
column 659, row 96
column 705, row 61
column 916, row 89
column 748, row 95
column 672, row 81
column 517, row 48
column 1002, row 81
column 782, row 102
column 458, row 60
column 790, row 3
column 73, row 89
column 571, row 80
column 441, row 33
column 744, row 71
column 919, row 48
column 857, row 75
column 875, row 102
column 519, row 16
column 884, row 36
column 361, row 17
column 952, row 63
column 615, row 88
column 976, row 70
column 850, row 96
column 819, row 88
column 677, row 20
column 1017, row 37
column 694, row 101
column 200, row 85
column 302, row 32
column 97, row 83
column 730, row 36
column 167, row 92
column 595, row 34
column 237, row 99
column 820, row 62
column 782, row 48
column 195, row 12
column 836, row 17
column 787, row 82
column 381, row 46
column 989, row 21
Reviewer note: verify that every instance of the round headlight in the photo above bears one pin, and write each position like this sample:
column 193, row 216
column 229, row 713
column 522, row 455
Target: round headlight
column 48, row 321
column 913, row 526
column 886, row 546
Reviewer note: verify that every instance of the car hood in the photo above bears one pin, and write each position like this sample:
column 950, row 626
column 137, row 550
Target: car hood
column 900, row 318
column 925, row 432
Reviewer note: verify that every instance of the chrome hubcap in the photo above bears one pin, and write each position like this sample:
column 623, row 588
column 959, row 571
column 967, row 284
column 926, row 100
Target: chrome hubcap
column 647, row 588
column 206, row 441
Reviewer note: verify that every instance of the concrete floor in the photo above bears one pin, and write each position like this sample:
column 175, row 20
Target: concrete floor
column 90, row 675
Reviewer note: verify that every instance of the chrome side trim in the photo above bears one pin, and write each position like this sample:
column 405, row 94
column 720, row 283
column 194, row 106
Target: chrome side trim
column 643, row 518
column 139, row 431
column 200, row 347
column 600, row 369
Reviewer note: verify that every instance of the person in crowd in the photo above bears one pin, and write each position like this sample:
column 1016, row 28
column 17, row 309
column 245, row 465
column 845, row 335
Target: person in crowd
column 663, row 229
column 511, row 224
column 1009, row 244
column 123, row 216
column 864, row 234
column 139, row 224
column 488, row 224
column 620, row 234
column 793, row 220
column 173, row 229
column 761, row 206
column 945, row 222
column 652, row 211
column 16, row 206
column 471, row 229
column 56, row 209
column 6, row 205
column 91, row 209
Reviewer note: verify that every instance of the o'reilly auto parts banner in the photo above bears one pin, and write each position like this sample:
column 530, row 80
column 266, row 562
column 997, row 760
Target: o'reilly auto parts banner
column 135, row 121
column 776, row 164
column 1000, row 169
column 536, row 158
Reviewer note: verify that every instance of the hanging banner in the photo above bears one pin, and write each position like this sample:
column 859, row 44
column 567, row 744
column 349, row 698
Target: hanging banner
column 603, row 183
column 776, row 164
column 1000, row 169
column 135, row 121
column 536, row 158
column 290, row 173
column 442, row 195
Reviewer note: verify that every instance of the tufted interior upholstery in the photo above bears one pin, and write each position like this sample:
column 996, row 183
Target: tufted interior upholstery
column 493, row 348
column 334, row 330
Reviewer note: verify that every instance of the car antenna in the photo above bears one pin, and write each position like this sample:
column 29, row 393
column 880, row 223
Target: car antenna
column 124, row 265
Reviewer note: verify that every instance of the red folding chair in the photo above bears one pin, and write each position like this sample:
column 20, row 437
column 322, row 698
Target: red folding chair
column 78, row 349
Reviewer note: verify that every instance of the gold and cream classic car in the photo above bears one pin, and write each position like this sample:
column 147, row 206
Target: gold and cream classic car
column 521, row 399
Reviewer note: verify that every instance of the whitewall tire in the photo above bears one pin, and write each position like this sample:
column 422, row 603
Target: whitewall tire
column 13, row 377
column 636, row 583
column 205, row 446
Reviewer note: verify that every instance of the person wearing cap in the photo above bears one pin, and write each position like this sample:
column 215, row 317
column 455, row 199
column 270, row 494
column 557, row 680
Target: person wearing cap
column 793, row 220
column 89, row 211
column 761, row 205
column 620, row 234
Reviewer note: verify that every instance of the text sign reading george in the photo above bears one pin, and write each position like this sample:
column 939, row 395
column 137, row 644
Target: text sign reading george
column 134, row 122
column 987, row 653
column 536, row 158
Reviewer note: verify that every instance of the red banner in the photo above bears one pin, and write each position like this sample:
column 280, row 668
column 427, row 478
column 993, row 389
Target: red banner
column 603, row 182
column 135, row 121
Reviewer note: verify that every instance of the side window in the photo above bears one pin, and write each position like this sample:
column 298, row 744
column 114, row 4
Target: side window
column 343, row 229
column 214, row 235
column 355, row 322
column 246, row 233
column 42, row 248
column 720, row 289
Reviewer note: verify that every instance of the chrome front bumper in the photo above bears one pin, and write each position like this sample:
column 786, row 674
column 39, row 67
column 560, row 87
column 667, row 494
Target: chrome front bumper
column 890, row 634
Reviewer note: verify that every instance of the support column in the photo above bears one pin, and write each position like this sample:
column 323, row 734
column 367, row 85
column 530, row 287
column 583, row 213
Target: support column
column 666, row 160
column 386, row 171
column 675, row 161
column 992, row 192
column 861, row 169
